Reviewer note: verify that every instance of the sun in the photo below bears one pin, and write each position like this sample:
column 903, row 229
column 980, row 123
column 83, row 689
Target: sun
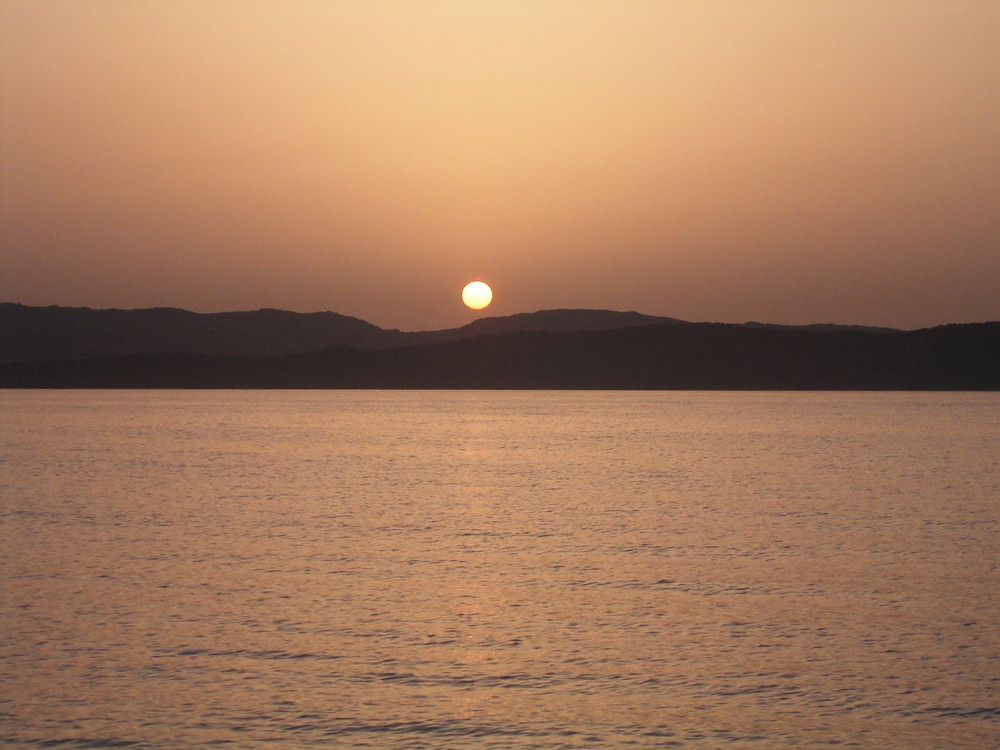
column 477, row 295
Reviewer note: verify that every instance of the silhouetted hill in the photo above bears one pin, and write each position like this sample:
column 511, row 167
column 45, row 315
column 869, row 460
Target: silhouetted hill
column 556, row 321
column 669, row 356
column 820, row 327
column 66, row 333
column 37, row 333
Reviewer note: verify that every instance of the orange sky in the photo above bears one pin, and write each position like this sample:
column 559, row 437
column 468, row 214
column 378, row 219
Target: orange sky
column 776, row 160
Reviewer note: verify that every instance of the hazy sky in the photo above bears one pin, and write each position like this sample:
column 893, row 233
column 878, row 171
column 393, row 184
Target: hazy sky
column 790, row 161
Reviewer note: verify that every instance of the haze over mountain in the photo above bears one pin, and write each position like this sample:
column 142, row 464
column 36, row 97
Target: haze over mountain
column 792, row 161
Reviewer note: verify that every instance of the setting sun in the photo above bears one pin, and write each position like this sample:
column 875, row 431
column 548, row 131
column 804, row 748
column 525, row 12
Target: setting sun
column 477, row 295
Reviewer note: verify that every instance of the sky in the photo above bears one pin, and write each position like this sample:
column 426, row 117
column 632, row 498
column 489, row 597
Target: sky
column 785, row 161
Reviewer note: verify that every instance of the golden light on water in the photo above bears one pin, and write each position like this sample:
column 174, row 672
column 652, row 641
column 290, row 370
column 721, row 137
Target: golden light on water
column 477, row 295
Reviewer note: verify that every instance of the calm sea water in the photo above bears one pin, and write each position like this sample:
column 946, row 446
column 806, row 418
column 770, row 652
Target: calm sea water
column 499, row 569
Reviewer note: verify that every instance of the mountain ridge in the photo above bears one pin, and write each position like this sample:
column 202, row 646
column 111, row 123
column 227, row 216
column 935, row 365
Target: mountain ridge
column 696, row 356
column 29, row 334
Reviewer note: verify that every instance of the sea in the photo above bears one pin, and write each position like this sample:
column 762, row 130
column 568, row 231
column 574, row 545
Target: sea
column 499, row 569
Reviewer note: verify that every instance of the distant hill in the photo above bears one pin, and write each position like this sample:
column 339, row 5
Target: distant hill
column 65, row 333
column 820, row 327
column 661, row 356
column 29, row 334
column 556, row 321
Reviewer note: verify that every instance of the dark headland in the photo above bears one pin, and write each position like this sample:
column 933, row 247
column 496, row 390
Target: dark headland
column 58, row 347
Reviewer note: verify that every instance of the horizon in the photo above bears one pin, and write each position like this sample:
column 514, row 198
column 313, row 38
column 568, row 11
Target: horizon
column 787, row 163
column 489, row 315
